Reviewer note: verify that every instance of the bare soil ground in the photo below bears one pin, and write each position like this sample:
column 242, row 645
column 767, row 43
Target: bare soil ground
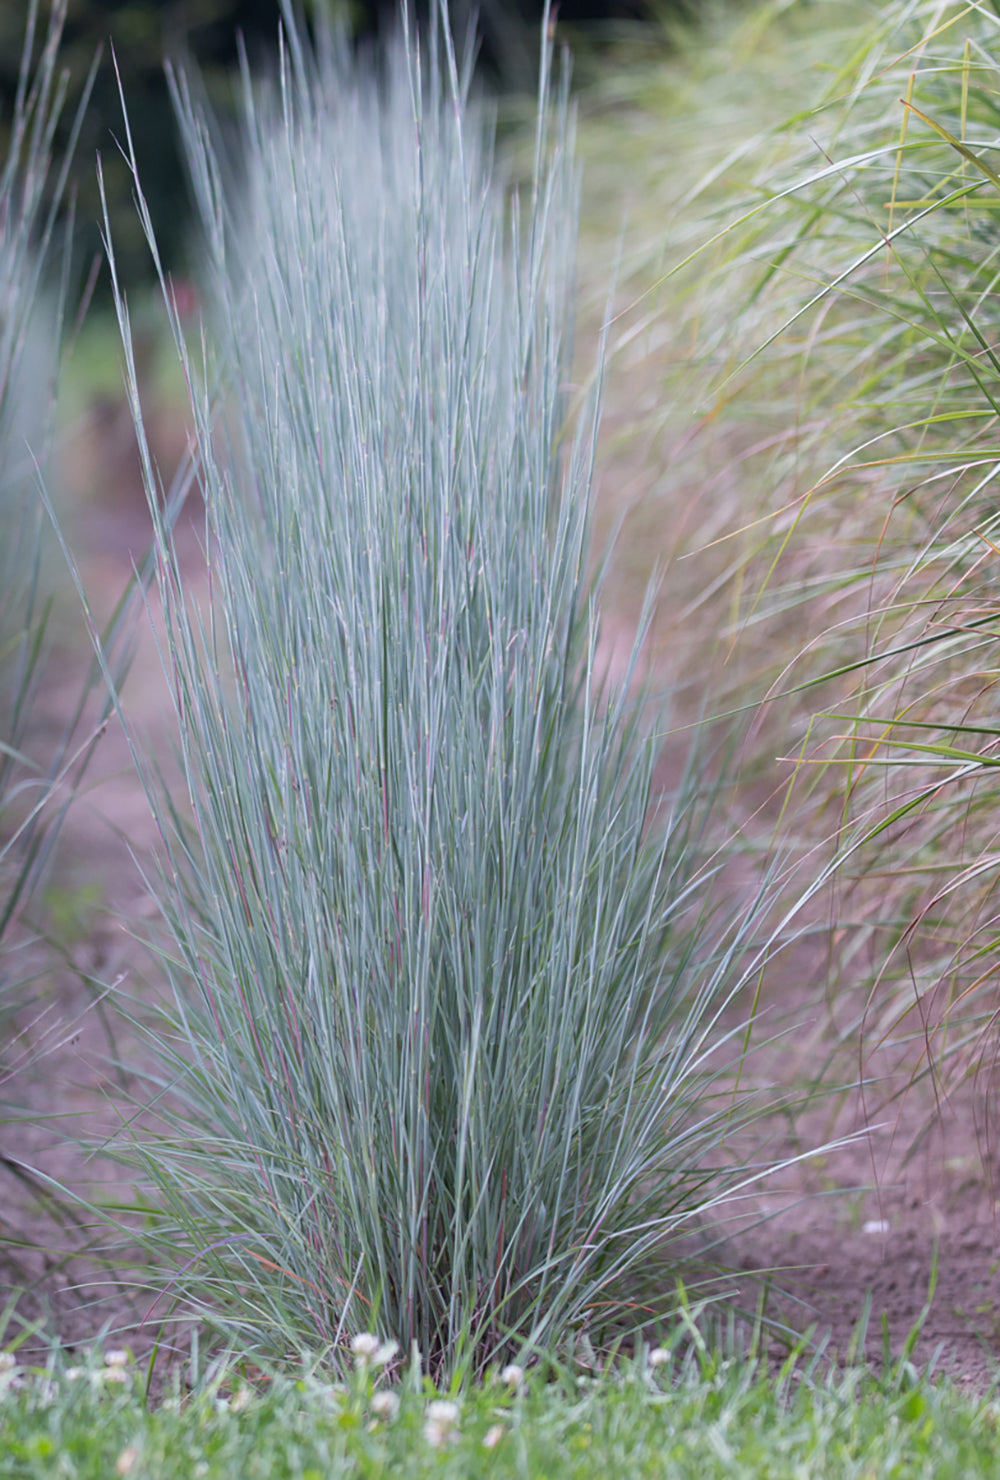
column 872, row 1221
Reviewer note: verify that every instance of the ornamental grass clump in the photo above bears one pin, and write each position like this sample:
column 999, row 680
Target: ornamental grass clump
column 441, row 1061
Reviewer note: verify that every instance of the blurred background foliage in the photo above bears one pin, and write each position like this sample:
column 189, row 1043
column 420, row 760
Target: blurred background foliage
column 141, row 33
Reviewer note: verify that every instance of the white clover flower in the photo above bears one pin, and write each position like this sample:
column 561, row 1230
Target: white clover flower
column 116, row 1358
column 115, row 1374
column 442, row 1422
column 659, row 1356
column 493, row 1436
column 126, row 1461
column 443, row 1410
column 8, row 1362
column 364, row 1346
column 369, row 1351
column 73, row 1374
column 513, row 1375
column 385, row 1405
column 241, row 1399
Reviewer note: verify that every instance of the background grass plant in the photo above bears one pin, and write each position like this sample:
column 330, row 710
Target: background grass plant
column 886, row 256
column 34, row 789
column 446, row 1058
column 825, row 427
column 686, row 142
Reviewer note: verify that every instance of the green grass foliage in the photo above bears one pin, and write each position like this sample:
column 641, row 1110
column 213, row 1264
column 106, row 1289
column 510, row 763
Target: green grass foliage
column 663, row 1414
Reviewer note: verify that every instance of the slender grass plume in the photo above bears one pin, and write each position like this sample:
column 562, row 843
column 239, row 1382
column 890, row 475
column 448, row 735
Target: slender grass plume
column 445, row 1056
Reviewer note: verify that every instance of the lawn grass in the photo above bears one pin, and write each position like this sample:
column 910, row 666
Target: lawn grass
column 698, row 1415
